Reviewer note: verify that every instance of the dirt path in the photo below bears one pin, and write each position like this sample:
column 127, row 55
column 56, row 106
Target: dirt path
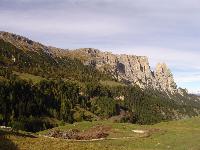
column 92, row 140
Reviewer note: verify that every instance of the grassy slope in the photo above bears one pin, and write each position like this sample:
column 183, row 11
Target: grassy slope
column 112, row 83
column 180, row 135
column 26, row 76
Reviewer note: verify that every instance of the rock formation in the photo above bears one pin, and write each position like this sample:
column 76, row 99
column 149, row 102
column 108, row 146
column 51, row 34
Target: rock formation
column 132, row 69
column 164, row 77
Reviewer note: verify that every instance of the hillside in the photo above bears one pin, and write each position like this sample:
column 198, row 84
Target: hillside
column 42, row 87
column 21, row 55
column 130, row 69
column 176, row 135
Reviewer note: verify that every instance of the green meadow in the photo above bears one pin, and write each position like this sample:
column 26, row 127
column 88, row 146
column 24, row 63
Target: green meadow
column 173, row 135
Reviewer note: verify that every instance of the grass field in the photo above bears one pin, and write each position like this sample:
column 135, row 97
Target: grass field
column 174, row 135
column 112, row 83
column 26, row 76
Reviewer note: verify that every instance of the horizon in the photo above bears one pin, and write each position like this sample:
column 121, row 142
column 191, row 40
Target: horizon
column 162, row 31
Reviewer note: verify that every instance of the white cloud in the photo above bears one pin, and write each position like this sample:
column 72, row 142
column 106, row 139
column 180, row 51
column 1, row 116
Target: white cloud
column 187, row 78
column 65, row 24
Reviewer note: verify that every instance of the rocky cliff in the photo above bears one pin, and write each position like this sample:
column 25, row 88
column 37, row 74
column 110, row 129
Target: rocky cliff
column 132, row 69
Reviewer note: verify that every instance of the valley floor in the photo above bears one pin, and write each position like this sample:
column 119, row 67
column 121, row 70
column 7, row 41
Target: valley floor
column 173, row 135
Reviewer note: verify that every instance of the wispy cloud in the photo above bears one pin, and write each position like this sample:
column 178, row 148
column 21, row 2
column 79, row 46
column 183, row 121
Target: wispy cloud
column 62, row 24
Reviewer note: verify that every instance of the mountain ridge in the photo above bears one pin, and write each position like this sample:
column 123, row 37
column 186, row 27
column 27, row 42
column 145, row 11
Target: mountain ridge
column 130, row 69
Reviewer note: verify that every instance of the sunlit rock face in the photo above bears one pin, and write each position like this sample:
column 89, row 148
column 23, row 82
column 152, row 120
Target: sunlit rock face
column 132, row 69
column 165, row 78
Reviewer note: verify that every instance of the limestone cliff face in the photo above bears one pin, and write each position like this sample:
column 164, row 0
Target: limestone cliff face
column 164, row 78
column 132, row 69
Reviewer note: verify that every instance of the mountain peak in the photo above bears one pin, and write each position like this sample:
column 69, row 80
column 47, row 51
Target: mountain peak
column 165, row 78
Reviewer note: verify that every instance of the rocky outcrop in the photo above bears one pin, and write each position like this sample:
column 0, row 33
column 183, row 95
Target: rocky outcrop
column 132, row 69
column 164, row 78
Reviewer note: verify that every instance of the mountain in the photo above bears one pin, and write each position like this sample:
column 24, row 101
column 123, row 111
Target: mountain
column 125, row 68
column 42, row 85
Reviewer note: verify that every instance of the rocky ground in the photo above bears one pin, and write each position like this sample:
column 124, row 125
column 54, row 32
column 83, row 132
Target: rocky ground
column 95, row 132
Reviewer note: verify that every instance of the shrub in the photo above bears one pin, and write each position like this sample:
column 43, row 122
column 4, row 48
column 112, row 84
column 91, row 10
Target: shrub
column 32, row 124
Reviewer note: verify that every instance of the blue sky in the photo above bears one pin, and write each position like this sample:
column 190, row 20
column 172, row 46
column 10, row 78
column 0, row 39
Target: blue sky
column 165, row 31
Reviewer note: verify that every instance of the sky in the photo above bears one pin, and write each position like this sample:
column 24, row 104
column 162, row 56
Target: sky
column 164, row 30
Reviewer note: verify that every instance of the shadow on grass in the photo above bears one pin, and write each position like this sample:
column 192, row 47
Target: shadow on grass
column 6, row 143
